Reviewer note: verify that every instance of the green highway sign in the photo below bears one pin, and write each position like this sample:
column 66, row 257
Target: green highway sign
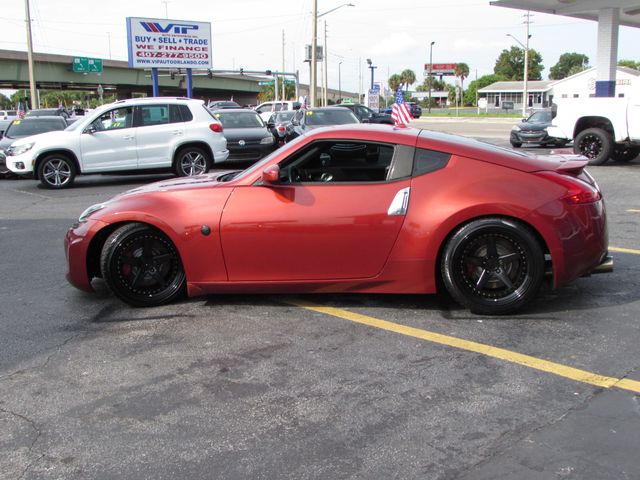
column 262, row 84
column 289, row 82
column 87, row 65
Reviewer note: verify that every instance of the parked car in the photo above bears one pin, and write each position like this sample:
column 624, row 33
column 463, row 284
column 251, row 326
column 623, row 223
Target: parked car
column 279, row 124
column 135, row 135
column 356, row 208
column 8, row 114
column 533, row 130
column 247, row 135
column 219, row 104
column 48, row 112
column 415, row 109
column 26, row 127
column 366, row 115
column 308, row 119
column 267, row 108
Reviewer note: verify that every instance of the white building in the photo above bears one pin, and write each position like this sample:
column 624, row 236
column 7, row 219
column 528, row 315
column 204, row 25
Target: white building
column 542, row 93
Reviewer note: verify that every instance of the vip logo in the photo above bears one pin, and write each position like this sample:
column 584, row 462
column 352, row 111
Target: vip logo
column 180, row 28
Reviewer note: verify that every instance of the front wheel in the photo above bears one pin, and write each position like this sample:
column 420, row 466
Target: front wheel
column 192, row 161
column 493, row 266
column 56, row 171
column 595, row 144
column 142, row 266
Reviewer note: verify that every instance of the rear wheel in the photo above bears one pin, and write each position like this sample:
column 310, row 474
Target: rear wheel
column 493, row 266
column 56, row 171
column 595, row 144
column 624, row 153
column 192, row 161
column 142, row 266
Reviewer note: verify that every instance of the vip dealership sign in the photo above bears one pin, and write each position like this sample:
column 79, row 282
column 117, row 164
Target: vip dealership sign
column 168, row 43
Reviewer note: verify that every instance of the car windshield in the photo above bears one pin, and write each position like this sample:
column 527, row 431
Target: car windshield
column 25, row 128
column 284, row 116
column 43, row 112
column 239, row 119
column 540, row 117
column 338, row 116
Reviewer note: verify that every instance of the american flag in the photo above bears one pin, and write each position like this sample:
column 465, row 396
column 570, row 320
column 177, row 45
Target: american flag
column 400, row 113
column 22, row 111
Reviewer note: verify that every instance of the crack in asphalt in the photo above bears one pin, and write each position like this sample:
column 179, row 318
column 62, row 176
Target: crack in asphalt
column 38, row 432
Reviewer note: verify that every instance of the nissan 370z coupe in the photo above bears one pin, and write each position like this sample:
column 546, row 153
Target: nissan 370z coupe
column 357, row 208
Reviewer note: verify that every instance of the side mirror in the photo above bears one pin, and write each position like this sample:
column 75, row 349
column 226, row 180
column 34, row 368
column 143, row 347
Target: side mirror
column 271, row 125
column 271, row 175
column 365, row 120
column 90, row 129
column 295, row 121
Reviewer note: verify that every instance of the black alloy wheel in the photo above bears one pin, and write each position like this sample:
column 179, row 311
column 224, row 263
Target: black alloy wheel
column 192, row 161
column 595, row 144
column 142, row 266
column 493, row 266
column 624, row 153
column 56, row 171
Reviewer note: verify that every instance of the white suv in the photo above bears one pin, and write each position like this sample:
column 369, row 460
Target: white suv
column 127, row 135
column 266, row 109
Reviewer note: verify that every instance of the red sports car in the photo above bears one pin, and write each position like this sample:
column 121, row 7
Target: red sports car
column 363, row 208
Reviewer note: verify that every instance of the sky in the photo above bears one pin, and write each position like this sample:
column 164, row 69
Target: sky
column 248, row 33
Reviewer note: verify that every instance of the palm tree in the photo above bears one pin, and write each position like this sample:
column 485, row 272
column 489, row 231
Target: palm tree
column 394, row 82
column 408, row 77
column 461, row 71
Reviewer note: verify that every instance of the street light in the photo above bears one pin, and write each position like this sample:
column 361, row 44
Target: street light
column 314, row 46
column 372, row 67
column 430, row 77
column 525, row 99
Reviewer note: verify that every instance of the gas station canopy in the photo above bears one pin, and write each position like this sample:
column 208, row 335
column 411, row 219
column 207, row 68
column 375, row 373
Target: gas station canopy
column 584, row 9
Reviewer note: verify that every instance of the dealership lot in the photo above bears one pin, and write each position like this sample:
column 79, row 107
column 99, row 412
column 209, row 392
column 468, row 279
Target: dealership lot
column 314, row 386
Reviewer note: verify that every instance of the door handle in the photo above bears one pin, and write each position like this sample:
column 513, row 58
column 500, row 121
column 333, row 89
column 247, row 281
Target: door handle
column 177, row 132
column 128, row 137
column 400, row 203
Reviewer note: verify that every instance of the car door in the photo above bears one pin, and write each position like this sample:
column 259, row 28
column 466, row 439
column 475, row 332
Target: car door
column 159, row 128
column 109, row 142
column 336, row 215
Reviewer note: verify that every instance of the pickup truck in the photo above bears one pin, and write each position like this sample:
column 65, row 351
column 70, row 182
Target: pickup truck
column 601, row 128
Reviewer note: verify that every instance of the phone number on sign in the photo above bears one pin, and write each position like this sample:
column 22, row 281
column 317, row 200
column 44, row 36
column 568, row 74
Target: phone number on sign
column 146, row 54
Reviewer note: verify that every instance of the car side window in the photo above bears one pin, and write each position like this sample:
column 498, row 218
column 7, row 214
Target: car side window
column 339, row 161
column 264, row 108
column 427, row 161
column 154, row 115
column 115, row 119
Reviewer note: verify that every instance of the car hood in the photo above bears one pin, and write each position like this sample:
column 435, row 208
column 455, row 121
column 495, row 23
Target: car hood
column 56, row 135
column 183, row 183
column 533, row 127
column 236, row 134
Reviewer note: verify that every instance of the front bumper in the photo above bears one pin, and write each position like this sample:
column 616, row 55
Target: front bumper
column 76, row 248
column 21, row 164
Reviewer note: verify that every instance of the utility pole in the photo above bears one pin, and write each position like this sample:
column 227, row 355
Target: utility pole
column 314, row 46
column 284, row 97
column 32, row 81
column 525, row 100
column 325, row 65
column 430, row 76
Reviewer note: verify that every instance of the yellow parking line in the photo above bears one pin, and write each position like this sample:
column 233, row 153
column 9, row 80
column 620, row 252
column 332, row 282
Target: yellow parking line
column 633, row 210
column 624, row 250
column 483, row 349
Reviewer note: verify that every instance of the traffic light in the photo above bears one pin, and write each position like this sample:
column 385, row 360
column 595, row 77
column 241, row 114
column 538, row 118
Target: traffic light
column 209, row 74
column 268, row 72
column 241, row 71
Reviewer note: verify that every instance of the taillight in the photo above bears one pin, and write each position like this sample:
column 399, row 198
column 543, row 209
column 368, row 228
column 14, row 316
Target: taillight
column 578, row 191
column 216, row 127
column 280, row 128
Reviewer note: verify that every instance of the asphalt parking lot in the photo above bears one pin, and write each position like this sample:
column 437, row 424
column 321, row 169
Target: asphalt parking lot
column 313, row 386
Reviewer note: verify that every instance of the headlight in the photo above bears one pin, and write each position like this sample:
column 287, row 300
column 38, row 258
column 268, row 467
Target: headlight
column 515, row 128
column 19, row 149
column 89, row 211
column 267, row 140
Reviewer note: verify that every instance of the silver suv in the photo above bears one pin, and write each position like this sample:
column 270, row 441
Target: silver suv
column 146, row 134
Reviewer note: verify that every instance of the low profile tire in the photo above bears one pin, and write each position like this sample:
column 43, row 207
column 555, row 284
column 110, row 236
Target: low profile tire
column 516, row 144
column 595, row 144
column 624, row 153
column 142, row 266
column 493, row 266
column 56, row 171
column 192, row 161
